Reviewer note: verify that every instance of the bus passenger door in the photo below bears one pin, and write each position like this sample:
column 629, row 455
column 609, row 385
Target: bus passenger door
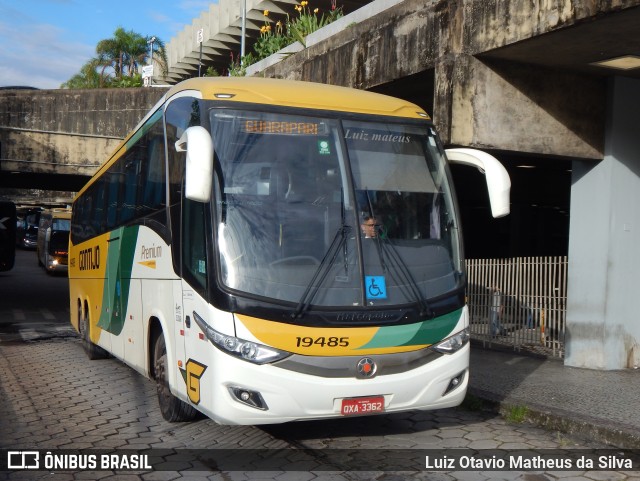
column 178, row 333
column 194, row 297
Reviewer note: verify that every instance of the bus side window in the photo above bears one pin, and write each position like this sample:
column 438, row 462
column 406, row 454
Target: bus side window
column 194, row 252
column 113, row 192
column 98, row 210
column 152, row 197
column 180, row 114
column 130, row 176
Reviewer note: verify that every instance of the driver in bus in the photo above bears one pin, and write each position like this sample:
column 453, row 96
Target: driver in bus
column 369, row 227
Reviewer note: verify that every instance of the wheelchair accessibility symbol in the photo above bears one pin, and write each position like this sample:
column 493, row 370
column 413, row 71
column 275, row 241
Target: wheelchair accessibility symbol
column 376, row 287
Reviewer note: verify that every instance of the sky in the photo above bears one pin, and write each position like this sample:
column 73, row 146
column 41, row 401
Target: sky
column 43, row 43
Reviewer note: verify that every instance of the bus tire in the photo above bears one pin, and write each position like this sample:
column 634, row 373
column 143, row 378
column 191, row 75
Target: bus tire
column 92, row 350
column 172, row 408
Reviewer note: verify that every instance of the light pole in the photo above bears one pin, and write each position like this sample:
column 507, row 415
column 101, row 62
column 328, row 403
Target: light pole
column 199, row 40
column 150, row 42
column 244, row 30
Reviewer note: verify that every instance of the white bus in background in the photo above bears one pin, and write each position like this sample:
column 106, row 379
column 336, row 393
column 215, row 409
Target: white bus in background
column 53, row 240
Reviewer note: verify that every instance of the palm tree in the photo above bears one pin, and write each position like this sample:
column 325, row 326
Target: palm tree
column 136, row 52
column 119, row 56
column 101, row 63
column 87, row 78
column 127, row 50
column 117, row 49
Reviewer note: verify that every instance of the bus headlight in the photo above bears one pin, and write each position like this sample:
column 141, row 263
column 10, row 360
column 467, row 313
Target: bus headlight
column 243, row 349
column 453, row 343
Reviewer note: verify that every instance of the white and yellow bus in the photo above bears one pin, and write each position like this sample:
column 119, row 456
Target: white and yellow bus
column 221, row 251
column 53, row 240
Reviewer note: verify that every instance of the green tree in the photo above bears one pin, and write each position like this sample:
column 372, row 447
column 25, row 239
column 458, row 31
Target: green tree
column 89, row 77
column 93, row 74
column 118, row 60
column 126, row 49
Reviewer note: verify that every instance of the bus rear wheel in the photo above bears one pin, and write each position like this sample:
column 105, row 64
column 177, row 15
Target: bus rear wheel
column 172, row 408
column 93, row 351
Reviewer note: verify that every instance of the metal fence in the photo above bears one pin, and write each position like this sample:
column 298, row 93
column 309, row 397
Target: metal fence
column 532, row 302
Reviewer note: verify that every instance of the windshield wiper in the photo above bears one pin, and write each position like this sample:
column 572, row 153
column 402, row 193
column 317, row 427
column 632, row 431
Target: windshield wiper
column 383, row 244
column 327, row 261
column 339, row 240
column 401, row 269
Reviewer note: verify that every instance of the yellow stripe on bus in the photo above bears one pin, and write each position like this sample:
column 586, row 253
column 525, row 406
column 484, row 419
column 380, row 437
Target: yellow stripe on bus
column 319, row 341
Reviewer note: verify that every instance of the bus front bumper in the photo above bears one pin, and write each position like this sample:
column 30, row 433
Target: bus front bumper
column 244, row 393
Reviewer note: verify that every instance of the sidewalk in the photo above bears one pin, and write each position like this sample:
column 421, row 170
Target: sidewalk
column 601, row 405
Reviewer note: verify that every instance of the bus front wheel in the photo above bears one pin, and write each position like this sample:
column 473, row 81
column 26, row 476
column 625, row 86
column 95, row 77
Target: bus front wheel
column 172, row 408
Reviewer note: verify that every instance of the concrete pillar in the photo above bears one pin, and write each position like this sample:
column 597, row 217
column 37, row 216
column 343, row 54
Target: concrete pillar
column 603, row 323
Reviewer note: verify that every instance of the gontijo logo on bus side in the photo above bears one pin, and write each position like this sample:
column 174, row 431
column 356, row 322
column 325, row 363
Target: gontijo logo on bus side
column 89, row 258
column 351, row 341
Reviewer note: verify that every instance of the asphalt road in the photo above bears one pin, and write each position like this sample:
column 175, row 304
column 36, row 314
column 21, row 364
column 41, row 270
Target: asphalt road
column 31, row 300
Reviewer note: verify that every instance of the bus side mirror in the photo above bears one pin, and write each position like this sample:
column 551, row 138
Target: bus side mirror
column 197, row 143
column 498, row 182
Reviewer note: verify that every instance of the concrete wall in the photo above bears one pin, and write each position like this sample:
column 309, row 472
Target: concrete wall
column 603, row 328
column 477, row 102
column 67, row 131
column 513, row 107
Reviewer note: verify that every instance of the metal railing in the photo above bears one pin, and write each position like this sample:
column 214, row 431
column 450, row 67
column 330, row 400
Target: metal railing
column 533, row 302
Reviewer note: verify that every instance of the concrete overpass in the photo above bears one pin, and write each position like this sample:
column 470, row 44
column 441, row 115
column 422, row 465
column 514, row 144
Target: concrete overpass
column 515, row 77
column 52, row 141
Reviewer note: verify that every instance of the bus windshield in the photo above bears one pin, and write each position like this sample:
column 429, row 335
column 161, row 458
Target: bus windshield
column 58, row 224
column 330, row 212
column 59, row 238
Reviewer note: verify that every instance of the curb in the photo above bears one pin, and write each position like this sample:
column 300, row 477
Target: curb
column 593, row 429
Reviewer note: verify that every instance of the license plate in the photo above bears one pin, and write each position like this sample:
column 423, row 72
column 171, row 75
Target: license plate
column 362, row 405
